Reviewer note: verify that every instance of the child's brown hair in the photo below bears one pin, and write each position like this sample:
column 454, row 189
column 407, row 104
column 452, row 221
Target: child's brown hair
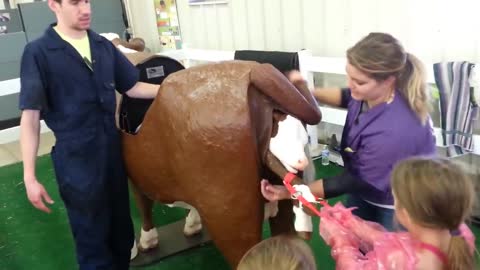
column 437, row 194
column 279, row 253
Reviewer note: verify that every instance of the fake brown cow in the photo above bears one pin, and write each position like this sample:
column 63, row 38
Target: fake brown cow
column 204, row 141
column 133, row 45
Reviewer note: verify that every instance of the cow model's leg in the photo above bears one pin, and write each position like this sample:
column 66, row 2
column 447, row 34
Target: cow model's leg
column 282, row 223
column 149, row 234
column 271, row 210
column 232, row 235
column 193, row 222
column 234, row 222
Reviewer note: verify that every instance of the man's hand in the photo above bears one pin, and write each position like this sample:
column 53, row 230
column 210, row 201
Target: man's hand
column 143, row 90
column 273, row 192
column 29, row 140
column 37, row 195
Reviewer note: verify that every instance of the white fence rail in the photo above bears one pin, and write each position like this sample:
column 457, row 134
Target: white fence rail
column 309, row 64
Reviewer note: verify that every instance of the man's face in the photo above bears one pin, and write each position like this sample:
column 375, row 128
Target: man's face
column 75, row 14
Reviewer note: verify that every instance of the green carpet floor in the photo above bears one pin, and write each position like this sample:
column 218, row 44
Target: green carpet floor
column 30, row 239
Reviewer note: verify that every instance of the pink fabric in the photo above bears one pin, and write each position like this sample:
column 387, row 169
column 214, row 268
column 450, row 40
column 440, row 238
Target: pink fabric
column 359, row 244
column 467, row 234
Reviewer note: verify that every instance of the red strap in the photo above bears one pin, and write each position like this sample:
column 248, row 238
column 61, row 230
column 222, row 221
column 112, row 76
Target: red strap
column 435, row 250
column 287, row 180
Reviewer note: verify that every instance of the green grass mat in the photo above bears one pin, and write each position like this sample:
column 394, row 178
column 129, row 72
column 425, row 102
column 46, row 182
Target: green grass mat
column 30, row 239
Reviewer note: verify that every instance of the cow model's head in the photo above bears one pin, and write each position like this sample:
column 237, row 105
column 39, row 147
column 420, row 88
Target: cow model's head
column 289, row 143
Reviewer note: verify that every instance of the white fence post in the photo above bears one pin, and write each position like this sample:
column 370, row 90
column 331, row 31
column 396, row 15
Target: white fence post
column 303, row 57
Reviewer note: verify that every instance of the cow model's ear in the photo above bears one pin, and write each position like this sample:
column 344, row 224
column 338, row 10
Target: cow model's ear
column 275, row 85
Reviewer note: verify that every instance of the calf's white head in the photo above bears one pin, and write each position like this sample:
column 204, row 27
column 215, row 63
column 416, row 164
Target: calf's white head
column 289, row 143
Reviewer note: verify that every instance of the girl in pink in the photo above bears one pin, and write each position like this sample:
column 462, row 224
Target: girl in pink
column 433, row 198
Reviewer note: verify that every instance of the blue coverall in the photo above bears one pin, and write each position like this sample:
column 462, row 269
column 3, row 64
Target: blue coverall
column 78, row 104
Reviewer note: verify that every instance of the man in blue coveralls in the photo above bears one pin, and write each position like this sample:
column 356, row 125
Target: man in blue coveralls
column 69, row 77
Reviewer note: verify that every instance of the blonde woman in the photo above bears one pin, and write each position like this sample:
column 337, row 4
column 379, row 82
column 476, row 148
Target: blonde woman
column 387, row 121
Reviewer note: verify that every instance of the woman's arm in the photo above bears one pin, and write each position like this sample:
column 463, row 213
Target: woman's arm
column 338, row 185
column 331, row 96
column 326, row 188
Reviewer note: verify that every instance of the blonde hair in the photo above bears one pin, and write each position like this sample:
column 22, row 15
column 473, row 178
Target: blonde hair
column 437, row 194
column 279, row 253
column 380, row 55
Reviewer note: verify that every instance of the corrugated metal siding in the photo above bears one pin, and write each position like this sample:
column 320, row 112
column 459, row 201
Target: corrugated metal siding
column 434, row 30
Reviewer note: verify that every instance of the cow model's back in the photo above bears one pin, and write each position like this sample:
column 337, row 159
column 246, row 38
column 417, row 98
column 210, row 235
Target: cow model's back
column 204, row 141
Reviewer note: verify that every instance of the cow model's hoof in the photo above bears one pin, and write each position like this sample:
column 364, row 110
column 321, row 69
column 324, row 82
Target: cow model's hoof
column 134, row 251
column 193, row 223
column 303, row 222
column 190, row 230
column 305, row 235
column 148, row 240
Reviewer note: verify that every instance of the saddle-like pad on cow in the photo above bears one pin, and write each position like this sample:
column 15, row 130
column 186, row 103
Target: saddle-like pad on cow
column 171, row 241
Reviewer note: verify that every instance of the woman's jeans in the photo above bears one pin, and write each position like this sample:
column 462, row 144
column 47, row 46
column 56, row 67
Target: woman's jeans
column 370, row 212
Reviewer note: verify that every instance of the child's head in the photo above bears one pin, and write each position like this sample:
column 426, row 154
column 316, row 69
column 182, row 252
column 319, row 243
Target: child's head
column 279, row 253
column 434, row 193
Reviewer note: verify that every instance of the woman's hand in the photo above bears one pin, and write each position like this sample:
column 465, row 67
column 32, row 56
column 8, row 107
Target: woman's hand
column 273, row 192
column 295, row 76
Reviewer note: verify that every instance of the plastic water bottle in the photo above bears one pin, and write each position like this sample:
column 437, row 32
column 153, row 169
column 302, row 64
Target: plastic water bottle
column 325, row 156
